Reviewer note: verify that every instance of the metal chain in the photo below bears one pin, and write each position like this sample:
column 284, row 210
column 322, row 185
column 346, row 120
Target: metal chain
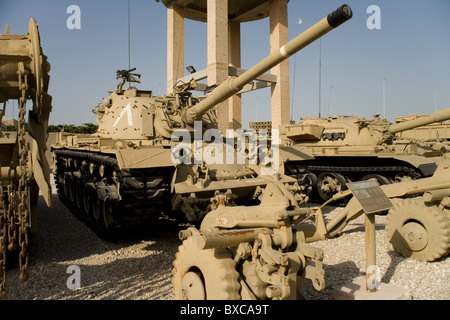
column 3, row 235
column 10, row 216
column 23, row 211
column 15, row 214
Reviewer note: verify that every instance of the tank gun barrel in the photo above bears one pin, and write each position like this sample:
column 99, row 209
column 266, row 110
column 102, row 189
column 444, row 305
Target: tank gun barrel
column 438, row 116
column 234, row 84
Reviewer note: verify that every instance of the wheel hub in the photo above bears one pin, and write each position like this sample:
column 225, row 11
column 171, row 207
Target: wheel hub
column 414, row 235
column 192, row 287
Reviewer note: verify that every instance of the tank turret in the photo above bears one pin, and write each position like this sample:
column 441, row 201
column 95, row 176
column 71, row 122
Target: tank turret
column 349, row 148
column 134, row 167
column 134, row 113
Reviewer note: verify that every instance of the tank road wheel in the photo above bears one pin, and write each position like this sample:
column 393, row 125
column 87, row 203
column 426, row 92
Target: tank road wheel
column 79, row 187
column 309, row 180
column 86, row 194
column 107, row 211
column 402, row 177
column 381, row 179
column 419, row 230
column 96, row 206
column 66, row 185
column 330, row 183
column 204, row 274
column 72, row 187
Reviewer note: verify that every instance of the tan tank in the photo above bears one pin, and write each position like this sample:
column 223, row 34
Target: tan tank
column 352, row 149
column 137, row 166
column 439, row 131
column 24, row 170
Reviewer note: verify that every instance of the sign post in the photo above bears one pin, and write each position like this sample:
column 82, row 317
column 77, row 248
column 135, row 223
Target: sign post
column 372, row 199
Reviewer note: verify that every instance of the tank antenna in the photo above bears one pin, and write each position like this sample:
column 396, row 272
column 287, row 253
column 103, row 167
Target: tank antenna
column 129, row 39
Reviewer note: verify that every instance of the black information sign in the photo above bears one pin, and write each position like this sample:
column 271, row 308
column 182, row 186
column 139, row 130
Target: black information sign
column 370, row 195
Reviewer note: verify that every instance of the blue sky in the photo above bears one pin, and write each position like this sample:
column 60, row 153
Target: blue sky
column 411, row 50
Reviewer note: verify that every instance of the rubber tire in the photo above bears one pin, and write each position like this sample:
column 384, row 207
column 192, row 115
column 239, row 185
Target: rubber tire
column 434, row 220
column 215, row 266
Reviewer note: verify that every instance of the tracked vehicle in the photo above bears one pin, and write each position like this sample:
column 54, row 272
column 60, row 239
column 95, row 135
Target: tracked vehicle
column 352, row 149
column 142, row 161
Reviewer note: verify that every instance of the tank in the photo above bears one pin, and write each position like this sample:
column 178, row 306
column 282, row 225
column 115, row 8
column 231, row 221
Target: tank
column 152, row 154
column 439, row 131
column 24, row 170
column 350, row 148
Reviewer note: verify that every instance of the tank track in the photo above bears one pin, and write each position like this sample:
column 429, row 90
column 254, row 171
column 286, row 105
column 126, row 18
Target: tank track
column 386, row 171
column 106, row 197
column 358, row 171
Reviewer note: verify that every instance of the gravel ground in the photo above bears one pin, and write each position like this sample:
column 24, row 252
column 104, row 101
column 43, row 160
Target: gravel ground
column 139, row 265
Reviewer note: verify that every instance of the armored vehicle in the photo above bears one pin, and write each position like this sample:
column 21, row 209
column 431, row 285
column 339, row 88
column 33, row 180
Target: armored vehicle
column 148, row 151
column 352, row 149
column 434, row 132
column 24, row 170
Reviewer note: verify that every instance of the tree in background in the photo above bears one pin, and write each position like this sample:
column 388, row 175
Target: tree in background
column 86, row 128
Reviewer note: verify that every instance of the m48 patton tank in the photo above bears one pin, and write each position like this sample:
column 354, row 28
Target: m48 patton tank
column 148, row 155
column 352, row 149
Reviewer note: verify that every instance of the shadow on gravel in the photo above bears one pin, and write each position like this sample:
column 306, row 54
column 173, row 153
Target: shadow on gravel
column 136, row 264
column 360, row 227
column 62, row 236
column 340, row 274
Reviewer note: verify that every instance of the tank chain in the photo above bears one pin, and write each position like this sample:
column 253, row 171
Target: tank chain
column 341, row 169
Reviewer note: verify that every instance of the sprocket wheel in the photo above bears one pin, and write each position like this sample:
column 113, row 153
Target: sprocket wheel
column 419, row 230
column 204, row 274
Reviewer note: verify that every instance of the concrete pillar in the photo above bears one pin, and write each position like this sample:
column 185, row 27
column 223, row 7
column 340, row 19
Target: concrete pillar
column 235, row 102
column 279, row 37
column 217, row 24
column 175, row 46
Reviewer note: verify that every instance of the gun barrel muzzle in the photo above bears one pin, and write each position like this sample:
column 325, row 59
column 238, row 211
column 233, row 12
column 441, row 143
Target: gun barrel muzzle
column 339, row 16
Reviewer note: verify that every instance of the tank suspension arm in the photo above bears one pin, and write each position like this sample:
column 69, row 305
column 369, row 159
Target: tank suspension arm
column 438, row 116
column 234, row 84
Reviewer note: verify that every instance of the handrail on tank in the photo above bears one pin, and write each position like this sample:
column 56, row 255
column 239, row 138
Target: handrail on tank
column 234, row 84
